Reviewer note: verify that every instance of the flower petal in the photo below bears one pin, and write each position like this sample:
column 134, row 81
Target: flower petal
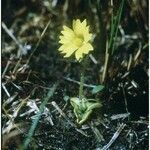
column 61, row 48
column 83, row 50
column 69, row 50
column 67, row 32
column 87, row 37
column 84, row 23
column 78, row 28
column 67, row 29
column 64, row 40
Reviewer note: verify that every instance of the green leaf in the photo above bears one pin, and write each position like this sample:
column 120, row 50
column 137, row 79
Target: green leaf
column 66, row 98
column 97, row 89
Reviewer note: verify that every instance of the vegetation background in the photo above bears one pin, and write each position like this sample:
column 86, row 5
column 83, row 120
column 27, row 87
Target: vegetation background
column 37, row 82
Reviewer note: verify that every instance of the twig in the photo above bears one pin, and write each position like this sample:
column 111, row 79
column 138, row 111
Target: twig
column 115, row 136
column 125, row 100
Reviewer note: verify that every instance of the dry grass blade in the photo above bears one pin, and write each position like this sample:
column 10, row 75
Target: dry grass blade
column 115, row 136
column 38, row 43
column 7, row 66
column 77, row 82
column 22, row 49
column 97, row 133
column 118, row 116
column 106, row 63
column 6, row 91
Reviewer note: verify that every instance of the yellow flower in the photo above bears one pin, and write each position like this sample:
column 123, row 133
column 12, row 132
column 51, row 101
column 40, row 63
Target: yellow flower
column 76, row 41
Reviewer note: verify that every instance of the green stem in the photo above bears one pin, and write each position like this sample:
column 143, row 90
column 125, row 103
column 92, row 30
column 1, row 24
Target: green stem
column 36, row 121
column 115, row 21
column 84, row 65
column 81, row 85
column 118, row 22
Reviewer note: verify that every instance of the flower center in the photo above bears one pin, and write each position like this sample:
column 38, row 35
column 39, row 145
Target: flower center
column 78, row 41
